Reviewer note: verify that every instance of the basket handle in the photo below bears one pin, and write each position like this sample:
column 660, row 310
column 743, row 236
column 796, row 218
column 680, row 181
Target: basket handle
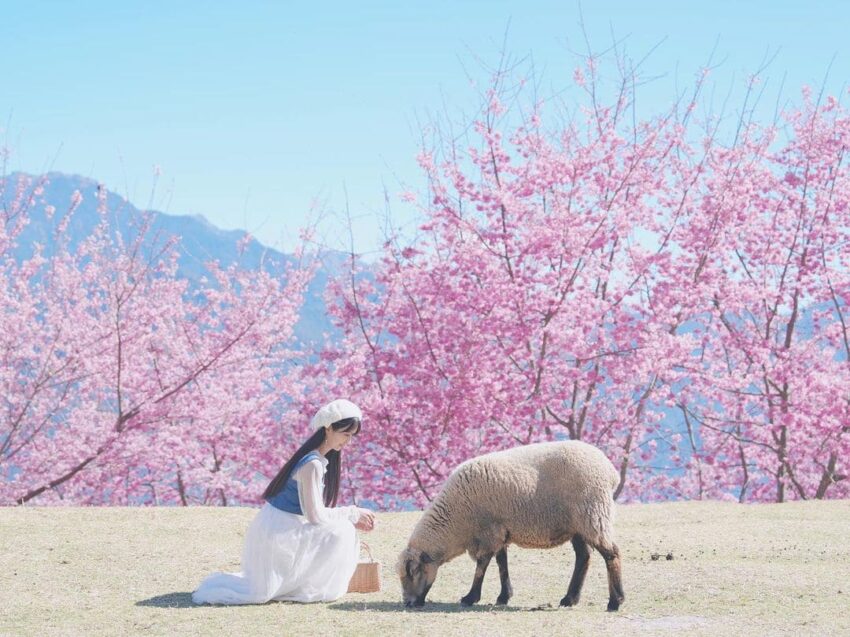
column 364, row 545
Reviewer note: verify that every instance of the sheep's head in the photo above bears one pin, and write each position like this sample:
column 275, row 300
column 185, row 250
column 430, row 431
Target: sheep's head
column 417, row 571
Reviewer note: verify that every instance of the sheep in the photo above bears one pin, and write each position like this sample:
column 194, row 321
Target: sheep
column 535, row 496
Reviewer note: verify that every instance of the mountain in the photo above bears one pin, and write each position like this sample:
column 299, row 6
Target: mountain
column 200, row 241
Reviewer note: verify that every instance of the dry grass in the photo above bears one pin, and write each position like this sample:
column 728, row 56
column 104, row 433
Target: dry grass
column 737, row 570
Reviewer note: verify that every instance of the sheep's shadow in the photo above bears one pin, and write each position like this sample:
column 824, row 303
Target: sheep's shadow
column 169, row 600
column 184, row 600
column 430, row 607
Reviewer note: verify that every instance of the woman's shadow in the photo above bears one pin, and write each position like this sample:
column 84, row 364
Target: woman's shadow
column 169, row 600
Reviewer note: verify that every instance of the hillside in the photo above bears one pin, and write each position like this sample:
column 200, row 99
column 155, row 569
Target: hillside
column 200, row 241
column 736, row 570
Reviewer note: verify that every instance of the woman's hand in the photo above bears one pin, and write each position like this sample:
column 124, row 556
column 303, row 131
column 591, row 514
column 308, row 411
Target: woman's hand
column 366, row 522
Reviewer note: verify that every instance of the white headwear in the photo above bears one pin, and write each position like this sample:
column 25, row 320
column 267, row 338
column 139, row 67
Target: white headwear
column 339, row 409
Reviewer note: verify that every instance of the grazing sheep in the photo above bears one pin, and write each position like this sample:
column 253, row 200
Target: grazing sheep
column 536, row 496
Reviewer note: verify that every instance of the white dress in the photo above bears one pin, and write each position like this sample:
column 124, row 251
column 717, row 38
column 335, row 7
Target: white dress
column 290, row 557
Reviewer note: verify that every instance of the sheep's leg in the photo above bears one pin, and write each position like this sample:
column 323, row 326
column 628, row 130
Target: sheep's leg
column 615, row 585
column 507, row 590
column 579, row 572
column 474, row 593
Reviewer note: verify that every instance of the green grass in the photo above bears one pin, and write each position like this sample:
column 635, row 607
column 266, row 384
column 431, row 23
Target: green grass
column 736, row 570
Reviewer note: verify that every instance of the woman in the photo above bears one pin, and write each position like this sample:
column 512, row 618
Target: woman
column 300, row 546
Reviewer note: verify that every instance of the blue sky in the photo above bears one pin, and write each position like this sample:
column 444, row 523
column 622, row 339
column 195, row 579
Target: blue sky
column 254, row 110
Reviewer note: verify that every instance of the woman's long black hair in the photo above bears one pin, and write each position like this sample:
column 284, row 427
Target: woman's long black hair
column 333, row 471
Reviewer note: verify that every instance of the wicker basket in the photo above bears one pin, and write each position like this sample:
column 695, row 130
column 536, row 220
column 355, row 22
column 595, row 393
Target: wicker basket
column 367, row 575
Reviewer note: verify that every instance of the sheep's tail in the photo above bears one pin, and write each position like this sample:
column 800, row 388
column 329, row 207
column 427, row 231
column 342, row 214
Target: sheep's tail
column 615, row 477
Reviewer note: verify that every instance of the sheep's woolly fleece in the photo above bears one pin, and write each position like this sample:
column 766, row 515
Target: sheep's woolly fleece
column 535, row 496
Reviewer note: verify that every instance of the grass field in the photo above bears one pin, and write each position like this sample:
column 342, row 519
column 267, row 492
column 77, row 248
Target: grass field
column 736, row 570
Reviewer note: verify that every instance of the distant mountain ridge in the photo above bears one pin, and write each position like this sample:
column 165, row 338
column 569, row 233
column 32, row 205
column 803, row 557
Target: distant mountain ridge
column 200, row 241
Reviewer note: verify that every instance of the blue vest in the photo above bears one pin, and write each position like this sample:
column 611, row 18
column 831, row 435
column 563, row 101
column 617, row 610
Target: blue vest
column 287, row 498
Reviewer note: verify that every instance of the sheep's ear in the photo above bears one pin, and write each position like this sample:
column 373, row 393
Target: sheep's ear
column 426, row 559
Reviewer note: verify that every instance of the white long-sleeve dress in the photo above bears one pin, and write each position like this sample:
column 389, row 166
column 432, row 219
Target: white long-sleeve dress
column 291, row 557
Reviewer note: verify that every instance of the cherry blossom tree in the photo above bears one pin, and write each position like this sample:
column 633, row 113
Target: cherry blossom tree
column 765, row 251
column 638, row 284
column 123, row 385
column 517, row 314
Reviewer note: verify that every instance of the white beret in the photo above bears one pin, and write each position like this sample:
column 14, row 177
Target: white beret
column 339, row 409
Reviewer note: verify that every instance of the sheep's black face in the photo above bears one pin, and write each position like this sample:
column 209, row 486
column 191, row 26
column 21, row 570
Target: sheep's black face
column 417, row 571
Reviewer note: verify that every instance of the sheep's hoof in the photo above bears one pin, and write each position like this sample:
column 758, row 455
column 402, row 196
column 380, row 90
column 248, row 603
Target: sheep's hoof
column 469, row 600
column 569, row 600
column 502, row 600
column 614, row 604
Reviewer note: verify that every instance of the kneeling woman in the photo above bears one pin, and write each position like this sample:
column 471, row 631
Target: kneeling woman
column 300, row 547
